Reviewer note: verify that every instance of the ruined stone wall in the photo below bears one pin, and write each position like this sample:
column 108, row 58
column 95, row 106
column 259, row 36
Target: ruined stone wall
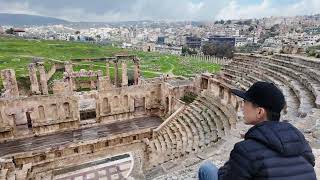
column 223, row 91
column 41, row 114
column 128, row 102
column 60, row 111
column 42, row 163
column 171, row 141
column 171, row 94
column 61, row 87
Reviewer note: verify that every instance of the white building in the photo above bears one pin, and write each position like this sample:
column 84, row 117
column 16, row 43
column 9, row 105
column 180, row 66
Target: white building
column 241, row 41
column 126, row 45
column 168, row 49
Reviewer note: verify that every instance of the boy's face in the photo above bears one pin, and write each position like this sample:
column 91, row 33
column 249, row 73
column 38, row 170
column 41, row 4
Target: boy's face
column 252, row 113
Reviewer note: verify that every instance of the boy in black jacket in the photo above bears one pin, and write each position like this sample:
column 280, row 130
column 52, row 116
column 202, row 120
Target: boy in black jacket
column 271, row 150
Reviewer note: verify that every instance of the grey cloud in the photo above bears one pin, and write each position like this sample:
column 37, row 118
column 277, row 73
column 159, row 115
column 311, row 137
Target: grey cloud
column 122, row 10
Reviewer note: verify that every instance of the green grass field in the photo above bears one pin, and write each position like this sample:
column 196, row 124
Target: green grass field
column 17, row 54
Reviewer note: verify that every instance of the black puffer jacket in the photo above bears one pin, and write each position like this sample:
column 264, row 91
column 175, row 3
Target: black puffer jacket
column 271, row 151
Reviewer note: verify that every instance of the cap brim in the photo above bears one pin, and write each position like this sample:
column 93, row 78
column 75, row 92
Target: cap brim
column 239, row 93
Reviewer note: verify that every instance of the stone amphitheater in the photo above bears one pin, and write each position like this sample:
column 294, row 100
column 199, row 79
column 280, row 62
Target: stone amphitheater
column 140, row 129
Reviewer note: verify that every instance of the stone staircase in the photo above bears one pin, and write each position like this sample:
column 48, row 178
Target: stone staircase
column 200, row 125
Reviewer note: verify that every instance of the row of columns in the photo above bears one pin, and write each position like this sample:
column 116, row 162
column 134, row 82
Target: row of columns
column 124, row 73
column 71, row 80
column 10, row 83
column 35, row 87
column 116, row 72
column 210, row 59
column 42, row 86
column 116, row 61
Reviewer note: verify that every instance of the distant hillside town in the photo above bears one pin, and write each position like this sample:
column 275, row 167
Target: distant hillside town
column 290, row 35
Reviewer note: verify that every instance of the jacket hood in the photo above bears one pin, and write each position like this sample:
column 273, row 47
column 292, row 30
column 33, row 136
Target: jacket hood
column 281, row 137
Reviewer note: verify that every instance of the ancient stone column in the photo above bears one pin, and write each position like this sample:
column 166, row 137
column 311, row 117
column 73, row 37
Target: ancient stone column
column 124, row 74
column 9, row 83
column 108, row 71
column 92, row 83
column 34, row 79
column 136, row 73
column 68, row 67
column 43, row 78
column 116, row 69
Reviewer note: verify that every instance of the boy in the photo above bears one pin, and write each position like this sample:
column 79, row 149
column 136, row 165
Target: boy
column 271, row 150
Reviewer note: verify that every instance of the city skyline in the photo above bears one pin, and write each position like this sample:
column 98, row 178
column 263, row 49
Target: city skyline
column 181, row 10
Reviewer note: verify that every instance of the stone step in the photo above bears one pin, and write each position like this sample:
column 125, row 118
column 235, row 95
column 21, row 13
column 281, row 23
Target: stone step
column 218, row 119
column 306, row 75
column 228, row 111
column 206, row 117
column 232, row 81
column 173, row 144
column 210, row 121
column 298, row 60
column 205, row 126
column 225, row 121
column 163, row 143
column 183, row 136
column 291, row 99
column 195, row 145
column 200, row 130
column 189, row 135
column 288, row 81
column 244, row 84
column 169, row 145
column 178, row 140
column 307, row 100
column 299, row 75
column 201, row 119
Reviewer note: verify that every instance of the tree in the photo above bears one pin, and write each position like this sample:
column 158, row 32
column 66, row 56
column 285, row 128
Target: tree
column 275, row 28
column 77, row 32
column 184, row 50
column 189, row 97
column 247, row 22
column 71, row 38
column 218, row 49
column 188, row 51
column 10, row 31
column 239, row 23
column 89, row 38
column 251, row 28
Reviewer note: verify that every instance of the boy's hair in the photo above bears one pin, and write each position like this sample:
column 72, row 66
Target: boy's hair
column 271, row 116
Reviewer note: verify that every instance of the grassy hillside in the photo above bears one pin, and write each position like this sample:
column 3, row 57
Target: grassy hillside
column 17, row 54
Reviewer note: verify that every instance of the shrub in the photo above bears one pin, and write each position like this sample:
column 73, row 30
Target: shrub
column 188, row 97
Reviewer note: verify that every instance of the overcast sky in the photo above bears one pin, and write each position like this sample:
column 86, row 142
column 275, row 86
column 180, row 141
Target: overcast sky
column 175, row 10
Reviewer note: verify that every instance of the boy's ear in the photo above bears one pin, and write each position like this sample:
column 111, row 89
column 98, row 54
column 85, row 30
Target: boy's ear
column 261, row 111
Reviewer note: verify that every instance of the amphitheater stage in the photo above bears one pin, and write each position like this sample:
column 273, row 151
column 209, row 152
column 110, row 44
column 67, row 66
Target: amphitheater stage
column 69, row 137
column 116, row 167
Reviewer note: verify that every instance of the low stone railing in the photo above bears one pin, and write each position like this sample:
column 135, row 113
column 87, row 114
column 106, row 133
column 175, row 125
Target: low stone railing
column 169, row 119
